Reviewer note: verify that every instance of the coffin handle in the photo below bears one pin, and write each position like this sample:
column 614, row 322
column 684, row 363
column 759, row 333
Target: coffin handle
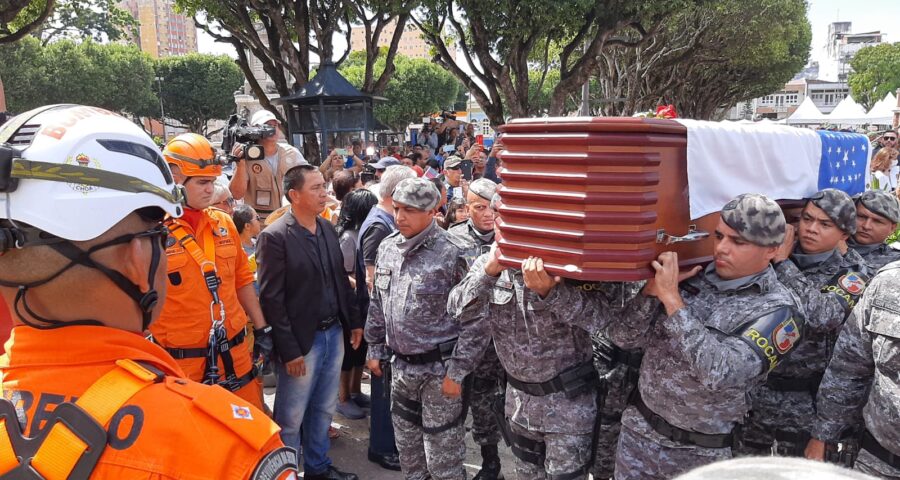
column 693, row 235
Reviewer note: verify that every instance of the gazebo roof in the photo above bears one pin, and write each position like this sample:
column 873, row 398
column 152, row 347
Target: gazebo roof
column 328, row 85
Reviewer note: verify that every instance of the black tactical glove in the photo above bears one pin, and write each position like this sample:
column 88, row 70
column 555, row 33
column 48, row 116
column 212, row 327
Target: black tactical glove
column 262, row 346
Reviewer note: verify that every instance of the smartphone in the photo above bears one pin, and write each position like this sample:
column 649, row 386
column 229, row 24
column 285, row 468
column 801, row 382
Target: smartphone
column 466, row 167
column 449, row 148
column 342, row 151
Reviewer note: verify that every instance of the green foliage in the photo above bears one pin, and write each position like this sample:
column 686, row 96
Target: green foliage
column 197, row 88
column 115, row 77
column 417, row 87
column 20, row 17
column 82, row 19
column 876, row 71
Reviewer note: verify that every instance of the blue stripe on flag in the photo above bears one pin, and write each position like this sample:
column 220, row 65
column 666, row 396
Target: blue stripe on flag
column 843, row 163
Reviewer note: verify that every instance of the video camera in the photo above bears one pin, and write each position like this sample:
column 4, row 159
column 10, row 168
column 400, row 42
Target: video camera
column 240, row 131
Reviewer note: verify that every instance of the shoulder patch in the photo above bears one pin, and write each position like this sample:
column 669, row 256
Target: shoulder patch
column 773, row 335
column 279, row 464
column 847, row 285
column 236, row 414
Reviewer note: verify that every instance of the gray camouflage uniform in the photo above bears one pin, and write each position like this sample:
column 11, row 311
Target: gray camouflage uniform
column 700, row 363
column 536, row 339
column 408, row 314
column 619, row 375
column 488, row 381
column 828, row 286
column 885, row 205
column 864, row 375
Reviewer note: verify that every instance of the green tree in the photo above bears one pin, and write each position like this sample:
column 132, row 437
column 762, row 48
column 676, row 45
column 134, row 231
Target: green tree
column 876, row 71
column 115, row 77
column 100, row 20
column 417, row 87
column 197, row 88
column 18, row 18
column 499, row 43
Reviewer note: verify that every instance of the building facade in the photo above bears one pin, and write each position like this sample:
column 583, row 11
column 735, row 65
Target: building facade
column 162, row 32
column 411, row 42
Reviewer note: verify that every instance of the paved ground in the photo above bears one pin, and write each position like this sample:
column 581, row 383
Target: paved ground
column 349, row 451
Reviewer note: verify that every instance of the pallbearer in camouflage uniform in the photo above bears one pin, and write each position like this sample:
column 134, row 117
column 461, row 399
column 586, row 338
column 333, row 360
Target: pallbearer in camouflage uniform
column 864, row 374
column 706, row 347
column 618, row 369
column 828, row 285
column 488, row 379
column 433, row 352
column 541, row 328
column 877, row 215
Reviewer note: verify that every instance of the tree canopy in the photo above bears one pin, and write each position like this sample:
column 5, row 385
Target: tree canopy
column 417, row 87
column 876, row 71
column 197, row 88
column 115, row 77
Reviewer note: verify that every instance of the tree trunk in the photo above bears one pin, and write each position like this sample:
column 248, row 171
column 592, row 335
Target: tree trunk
column 2, row 97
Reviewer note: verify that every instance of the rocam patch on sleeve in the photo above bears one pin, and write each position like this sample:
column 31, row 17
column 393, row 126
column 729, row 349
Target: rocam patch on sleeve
column 773, row 335
column 279, row 464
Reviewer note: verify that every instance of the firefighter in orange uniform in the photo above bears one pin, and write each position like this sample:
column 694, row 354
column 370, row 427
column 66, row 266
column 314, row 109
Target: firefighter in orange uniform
column 210, row 282
column 83, row 195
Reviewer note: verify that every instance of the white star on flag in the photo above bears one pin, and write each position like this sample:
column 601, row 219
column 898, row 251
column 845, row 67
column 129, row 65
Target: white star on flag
column 829, row 149
column 839, row 150
column 837, row 164
column 843, row 179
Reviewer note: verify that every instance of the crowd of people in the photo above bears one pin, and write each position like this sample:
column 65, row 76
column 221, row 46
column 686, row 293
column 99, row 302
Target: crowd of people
column 786, row 345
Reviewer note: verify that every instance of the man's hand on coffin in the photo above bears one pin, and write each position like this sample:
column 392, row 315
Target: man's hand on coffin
column 493, row 268
column 536, row 278
column 664, row 285
column 787, row 246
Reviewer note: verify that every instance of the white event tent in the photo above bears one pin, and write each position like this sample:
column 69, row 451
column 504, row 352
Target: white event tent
column 806, row 114
column 847, row 112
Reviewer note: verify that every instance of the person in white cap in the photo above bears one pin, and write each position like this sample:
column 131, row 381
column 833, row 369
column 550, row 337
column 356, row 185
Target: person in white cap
column 259, row 182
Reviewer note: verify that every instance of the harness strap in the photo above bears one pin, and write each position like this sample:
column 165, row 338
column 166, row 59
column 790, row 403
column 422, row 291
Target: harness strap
column 72, row 438
column 182, row 353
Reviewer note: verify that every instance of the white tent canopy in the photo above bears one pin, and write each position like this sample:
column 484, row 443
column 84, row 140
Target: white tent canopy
column 883, row 111
column 806, row 114
column 847, row 112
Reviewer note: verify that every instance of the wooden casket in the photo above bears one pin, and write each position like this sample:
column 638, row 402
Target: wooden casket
column 598, row 198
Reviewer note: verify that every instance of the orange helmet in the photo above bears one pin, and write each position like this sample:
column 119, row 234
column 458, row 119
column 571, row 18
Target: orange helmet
column 193, row 155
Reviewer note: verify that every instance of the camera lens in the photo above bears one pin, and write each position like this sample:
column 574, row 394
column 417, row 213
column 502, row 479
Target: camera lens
column 254, row 152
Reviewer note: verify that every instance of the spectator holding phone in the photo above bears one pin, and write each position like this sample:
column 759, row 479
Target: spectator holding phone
column 493, row 163
column 333, row 164
column 476, row 155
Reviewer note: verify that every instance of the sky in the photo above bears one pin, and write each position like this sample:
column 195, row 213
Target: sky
column 866, row 15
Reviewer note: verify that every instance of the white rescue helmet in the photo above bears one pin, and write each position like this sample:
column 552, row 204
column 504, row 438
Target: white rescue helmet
column 75, row 171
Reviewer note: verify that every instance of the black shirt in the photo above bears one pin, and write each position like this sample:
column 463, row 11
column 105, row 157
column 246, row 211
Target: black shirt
column 318, row 246
column 371, row 240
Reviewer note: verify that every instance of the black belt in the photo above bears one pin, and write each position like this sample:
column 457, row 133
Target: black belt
column 182, row 353
column 680, row 435
column 328, row 323
column 785, row 384
column 624, row 357
column 236, row 384
column 573, row 381
column 871, row 445
column 438, row 354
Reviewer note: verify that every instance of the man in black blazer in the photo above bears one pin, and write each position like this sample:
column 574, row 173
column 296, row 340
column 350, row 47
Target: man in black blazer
column 309, row 303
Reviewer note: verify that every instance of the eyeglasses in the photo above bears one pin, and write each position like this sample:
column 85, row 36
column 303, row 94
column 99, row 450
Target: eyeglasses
column 890, row 139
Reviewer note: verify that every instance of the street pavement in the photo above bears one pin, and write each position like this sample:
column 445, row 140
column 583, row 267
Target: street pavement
column 349, row 452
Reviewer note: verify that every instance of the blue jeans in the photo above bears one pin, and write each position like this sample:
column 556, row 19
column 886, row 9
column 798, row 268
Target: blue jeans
column 309, row 401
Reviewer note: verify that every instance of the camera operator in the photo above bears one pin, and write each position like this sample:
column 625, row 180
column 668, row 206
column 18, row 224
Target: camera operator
column 428, row 137
column 259, row 182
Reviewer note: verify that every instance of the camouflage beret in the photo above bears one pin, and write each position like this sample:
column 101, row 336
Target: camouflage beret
column 452, row 161
column 756, row 218
column 419, row 193
column 838, row 206
column 881, row 203
column 495, row 202
column 484, row 188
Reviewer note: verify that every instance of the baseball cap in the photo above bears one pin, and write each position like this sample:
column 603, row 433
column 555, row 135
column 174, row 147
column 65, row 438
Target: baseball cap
column 262, row 117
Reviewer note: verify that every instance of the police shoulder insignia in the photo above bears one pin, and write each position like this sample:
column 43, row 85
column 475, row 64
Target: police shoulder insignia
column 279, row 464
column 772, row 335
column 847, row 285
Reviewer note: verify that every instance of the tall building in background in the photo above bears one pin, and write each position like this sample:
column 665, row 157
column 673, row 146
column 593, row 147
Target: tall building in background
column 411, row 42
column 842, row 47
column 163, row 32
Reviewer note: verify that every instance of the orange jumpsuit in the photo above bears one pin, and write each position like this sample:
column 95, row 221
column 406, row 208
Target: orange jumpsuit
column 185, row 320
column 175, row 429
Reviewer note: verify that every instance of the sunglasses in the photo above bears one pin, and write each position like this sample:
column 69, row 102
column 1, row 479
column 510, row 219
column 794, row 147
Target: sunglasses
column 890, row 139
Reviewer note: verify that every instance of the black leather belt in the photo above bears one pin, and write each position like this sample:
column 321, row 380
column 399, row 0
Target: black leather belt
column 328, row 323
column 680, row 435
column 869, row 444
column 573, row 381
column 438, row 354
column 182, row 353
column 785, row 384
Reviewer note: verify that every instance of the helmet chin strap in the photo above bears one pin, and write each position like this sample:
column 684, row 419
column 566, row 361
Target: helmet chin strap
column 146, row 301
